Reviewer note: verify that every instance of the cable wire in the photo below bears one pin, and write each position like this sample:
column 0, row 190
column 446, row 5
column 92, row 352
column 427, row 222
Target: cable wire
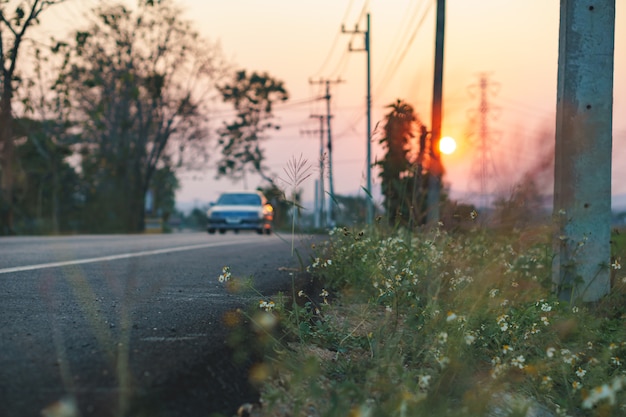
column 399, row 60
column 401, row 33
column 334, row 43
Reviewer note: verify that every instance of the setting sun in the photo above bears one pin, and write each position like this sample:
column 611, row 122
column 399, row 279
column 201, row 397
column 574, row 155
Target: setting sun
column 447, row 145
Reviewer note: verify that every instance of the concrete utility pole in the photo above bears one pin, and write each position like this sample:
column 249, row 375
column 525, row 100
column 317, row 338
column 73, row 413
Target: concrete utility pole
column 435, row 166
column 319, row 216
column 331, row 189
column 582, row 177
column 367, row 49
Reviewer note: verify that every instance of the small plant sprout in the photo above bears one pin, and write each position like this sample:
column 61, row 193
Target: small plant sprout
column 296, row 172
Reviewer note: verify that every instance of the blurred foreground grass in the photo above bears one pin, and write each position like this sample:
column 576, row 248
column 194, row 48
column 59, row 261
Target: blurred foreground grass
column 440, row 324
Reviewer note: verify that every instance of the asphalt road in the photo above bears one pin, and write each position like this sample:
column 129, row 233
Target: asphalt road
column 129, row 325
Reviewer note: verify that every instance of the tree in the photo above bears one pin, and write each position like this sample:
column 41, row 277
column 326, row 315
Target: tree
column 253, row 96
column 46, row 186
column 402, row 180
column 164, row 183
column 48, row 139
column 137, row 83
column 13, row 29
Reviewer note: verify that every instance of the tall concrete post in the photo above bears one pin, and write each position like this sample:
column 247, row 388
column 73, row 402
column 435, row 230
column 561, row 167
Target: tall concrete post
column 582, row 187
column 368, row 50
column 368, row 166
column 320, row 191
column 435, row 166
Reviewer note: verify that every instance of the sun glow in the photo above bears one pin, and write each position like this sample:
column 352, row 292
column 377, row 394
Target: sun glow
column 447, row 145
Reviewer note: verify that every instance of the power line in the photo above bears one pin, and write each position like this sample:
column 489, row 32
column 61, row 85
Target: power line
column 289, row 104
column 334, row 42
column 277, row 106
column 341, row 65
column 389, row 69
column 364, row 9
column 392, row 65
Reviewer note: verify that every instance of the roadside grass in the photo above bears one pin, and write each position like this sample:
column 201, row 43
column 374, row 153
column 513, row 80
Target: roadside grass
column 439, row 324
column 618, row 242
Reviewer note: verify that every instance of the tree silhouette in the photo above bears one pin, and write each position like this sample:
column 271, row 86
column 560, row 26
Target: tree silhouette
column 253, row 97
column 13, row 29
column 137, row 82
column 401, row 172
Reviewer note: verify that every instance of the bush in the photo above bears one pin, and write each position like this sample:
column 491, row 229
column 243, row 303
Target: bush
column 441, row 324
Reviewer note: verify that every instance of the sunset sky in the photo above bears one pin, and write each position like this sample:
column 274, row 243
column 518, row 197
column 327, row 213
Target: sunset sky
column 513, row 42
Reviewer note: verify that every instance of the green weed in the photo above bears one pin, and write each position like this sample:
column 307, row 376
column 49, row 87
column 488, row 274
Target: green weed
column 441, row 324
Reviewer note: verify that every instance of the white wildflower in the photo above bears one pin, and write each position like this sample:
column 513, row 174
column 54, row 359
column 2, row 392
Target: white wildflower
column 519, row 362
column 469, row 338
column 267, row 305
column 424, row 381
column 603, row 392
column 616, row 265
column 443, row 361
column 451, row 316
column 225, row 275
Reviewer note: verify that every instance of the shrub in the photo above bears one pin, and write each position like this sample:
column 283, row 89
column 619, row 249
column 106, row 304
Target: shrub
column 460, row 324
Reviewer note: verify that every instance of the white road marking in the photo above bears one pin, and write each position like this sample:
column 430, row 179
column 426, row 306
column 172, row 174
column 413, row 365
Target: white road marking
column 113, row 257
column 168, row 338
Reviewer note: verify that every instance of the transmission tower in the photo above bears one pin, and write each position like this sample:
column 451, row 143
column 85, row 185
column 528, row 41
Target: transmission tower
column 484, row 169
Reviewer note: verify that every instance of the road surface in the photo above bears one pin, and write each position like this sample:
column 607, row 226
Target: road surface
column 129, row 325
